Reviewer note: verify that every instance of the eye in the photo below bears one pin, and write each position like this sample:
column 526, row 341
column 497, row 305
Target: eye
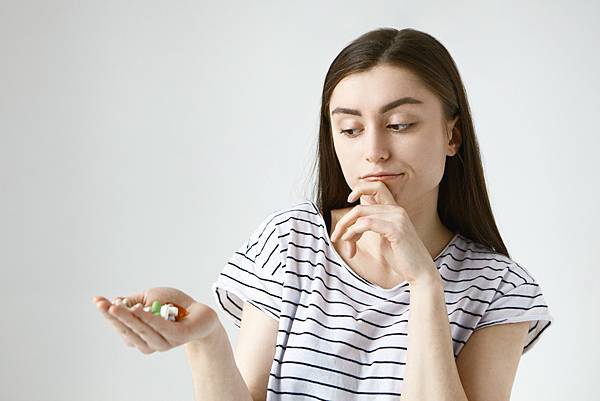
column 344, row 131
column 400, row 127
column 403, row 125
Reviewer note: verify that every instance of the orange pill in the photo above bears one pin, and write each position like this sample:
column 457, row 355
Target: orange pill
column 182, row 312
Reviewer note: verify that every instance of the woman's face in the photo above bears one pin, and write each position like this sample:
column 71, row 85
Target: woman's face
column 410, row 138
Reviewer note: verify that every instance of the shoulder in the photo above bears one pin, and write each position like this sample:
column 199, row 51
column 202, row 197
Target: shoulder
column 291, row 231
column 299, row 214
column 465, row 259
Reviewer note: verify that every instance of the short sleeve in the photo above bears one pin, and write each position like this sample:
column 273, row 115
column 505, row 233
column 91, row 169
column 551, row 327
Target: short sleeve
column 519, row 298
column 253, row 274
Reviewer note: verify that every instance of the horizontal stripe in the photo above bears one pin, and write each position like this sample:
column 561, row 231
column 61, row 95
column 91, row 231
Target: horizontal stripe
column 338, row 356
column 334, row 326
column 338, row 371
column 320, row 383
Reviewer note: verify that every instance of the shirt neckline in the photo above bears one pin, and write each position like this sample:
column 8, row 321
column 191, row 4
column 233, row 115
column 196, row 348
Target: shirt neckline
column 362, row 279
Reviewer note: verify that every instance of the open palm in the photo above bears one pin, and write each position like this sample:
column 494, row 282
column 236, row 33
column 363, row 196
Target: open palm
column 150, row 333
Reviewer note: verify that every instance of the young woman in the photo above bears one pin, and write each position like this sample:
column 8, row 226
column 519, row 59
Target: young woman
column 394, row 283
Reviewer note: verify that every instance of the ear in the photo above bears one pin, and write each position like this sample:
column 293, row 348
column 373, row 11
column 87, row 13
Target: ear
column 454, row 137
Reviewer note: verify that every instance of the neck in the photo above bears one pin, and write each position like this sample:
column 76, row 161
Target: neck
column 430, row 229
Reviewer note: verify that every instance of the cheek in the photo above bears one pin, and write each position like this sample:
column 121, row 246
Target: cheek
column 427, row 160
column 346, row 159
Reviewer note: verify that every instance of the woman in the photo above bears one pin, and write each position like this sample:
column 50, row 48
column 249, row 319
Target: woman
column 384, row 286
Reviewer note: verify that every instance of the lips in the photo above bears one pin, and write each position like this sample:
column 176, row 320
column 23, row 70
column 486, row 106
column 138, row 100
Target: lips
column 381, row 174
column 382, row 177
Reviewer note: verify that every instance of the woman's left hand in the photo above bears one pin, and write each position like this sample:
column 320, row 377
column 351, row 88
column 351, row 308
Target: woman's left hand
column 402, row 248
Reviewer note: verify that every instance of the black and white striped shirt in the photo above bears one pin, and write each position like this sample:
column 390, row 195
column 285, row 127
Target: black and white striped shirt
column 341, row 337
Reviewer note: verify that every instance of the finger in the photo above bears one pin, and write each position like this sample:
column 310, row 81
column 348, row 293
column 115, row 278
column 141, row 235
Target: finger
column 137, row 298
column 352, row 234
column 355, row 231
column 349, row 218
column 115, row 301
column 365, row 198
column 378, row 225
column 344, row 221
column 154, row 340
column 130, row 338
column 378, row 192
column 352, row 247
column 99, row 298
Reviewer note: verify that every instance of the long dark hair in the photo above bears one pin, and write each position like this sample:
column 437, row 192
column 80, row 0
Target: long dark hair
column 463, row 203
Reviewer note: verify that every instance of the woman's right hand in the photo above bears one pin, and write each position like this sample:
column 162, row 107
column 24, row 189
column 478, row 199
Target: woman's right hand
column 150, row 333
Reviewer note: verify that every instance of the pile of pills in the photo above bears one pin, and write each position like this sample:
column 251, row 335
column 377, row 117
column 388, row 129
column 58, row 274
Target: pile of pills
column 168, row 311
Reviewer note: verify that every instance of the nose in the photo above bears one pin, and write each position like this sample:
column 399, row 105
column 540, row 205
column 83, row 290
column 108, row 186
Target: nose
column 376, row 144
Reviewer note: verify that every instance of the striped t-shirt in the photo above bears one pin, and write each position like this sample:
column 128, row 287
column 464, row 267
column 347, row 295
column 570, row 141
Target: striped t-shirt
column 341, row 337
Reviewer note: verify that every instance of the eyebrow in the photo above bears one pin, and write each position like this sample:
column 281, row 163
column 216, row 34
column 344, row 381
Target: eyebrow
column 384, row 109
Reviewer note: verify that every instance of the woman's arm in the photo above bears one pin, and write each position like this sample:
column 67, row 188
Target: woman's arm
column 486, row 367
column 431, row 372
column 214, row 371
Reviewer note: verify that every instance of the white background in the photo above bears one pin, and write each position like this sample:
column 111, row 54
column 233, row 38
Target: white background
column 142, row 141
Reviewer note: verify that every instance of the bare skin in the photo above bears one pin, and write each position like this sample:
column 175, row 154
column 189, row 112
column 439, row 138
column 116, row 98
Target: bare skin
column 150, row 333
column 386, row 142
column 385, row 277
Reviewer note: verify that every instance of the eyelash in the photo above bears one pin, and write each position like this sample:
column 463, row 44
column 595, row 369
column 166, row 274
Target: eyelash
column 344, row 131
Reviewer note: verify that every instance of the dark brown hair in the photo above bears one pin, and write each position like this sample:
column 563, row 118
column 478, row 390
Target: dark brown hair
column 463, row 203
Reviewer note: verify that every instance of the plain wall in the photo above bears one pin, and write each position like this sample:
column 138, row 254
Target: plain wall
column 142, row 141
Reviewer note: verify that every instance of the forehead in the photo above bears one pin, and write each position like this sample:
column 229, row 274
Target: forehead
column 369, row 90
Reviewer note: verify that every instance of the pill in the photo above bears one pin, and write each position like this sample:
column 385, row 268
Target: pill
column 168, row 311
column 181, row 312
column 173, row 313
column 164, row 311
column 155, row 307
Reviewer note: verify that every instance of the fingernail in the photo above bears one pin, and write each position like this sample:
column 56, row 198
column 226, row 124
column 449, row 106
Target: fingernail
column 350, row 196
